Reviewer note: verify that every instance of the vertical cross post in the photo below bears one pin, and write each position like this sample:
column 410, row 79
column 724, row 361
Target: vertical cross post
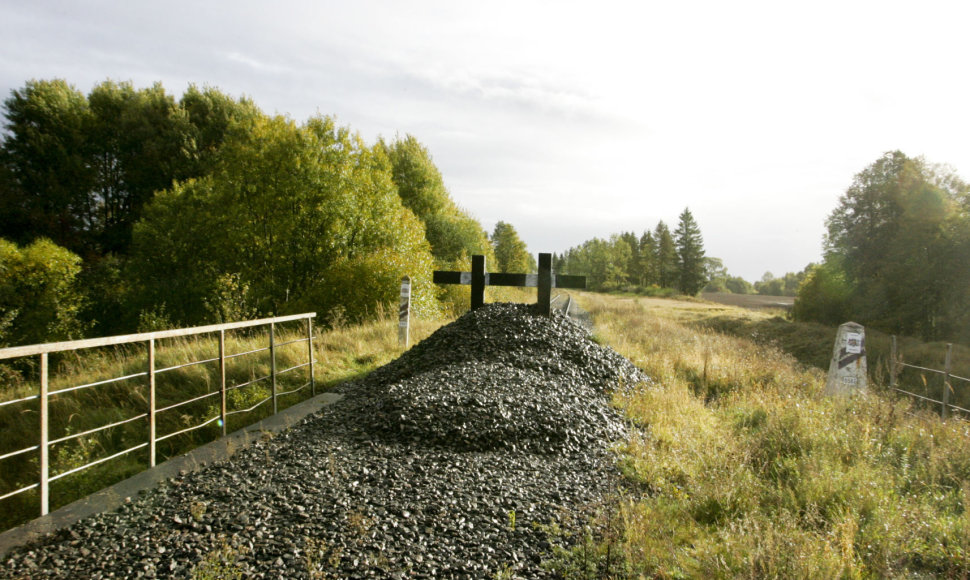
column 478, row 282
column 544, row 296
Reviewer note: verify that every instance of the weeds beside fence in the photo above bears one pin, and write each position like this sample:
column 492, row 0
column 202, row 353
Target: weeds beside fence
column 897, row 366
column 160, row 393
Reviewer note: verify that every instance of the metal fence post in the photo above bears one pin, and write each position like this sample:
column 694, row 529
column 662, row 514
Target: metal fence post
column 309, row 347
column 222, row 380
column 44, row 457
column 272, row 360
column 946, row 381
column 151, row 402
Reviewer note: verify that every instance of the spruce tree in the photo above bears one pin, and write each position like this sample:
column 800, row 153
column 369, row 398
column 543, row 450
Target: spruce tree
column 666, row 262
column 690, row 255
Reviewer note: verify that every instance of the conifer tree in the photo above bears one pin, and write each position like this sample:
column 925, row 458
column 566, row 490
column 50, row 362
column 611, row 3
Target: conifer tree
column 666, row 252
column 690, row 255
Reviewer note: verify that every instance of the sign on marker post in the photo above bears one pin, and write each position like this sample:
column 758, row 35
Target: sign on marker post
column 847, row 371
column 403, row 325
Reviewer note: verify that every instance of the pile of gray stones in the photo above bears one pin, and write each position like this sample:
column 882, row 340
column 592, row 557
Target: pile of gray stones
column 459, row 459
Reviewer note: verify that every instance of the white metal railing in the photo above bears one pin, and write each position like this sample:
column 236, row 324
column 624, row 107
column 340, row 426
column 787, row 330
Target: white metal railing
column 149, row 374
column 896, row 365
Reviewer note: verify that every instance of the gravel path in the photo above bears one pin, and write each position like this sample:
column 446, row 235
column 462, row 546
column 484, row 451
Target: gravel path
column 450, row 462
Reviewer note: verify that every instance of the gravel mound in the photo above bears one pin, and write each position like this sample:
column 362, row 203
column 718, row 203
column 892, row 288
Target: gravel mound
column 498, row 378
column 454, row 461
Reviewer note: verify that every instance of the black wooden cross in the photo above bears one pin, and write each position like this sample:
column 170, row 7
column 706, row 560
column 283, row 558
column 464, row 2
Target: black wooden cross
column 545, row 281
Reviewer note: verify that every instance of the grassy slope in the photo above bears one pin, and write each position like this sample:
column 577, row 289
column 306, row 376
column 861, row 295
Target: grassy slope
column 744, row 469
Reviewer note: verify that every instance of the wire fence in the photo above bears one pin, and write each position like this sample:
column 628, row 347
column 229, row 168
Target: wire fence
column 149, row 378
column 947, row 393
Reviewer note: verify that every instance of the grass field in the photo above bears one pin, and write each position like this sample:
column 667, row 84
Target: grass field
column 755, row 301
column 742, row 468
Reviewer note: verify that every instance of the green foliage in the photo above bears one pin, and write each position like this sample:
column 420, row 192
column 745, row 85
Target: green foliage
column 211, row 114
column 39, row 297
column 666, row 260
column 449, row 229
column 738, row 285
column 47, row 171
column 249, row 215
column 79, row 170
column 453, row 234
column 716, row 275
column 106, row 293
column 787, row 285
column 647, row 266
column 300, row 217
column 511, row 253
column 690, row 255
column 901, row 237
column 418, row 181
column 823, row 296
column 139, row 142
column 647, row 263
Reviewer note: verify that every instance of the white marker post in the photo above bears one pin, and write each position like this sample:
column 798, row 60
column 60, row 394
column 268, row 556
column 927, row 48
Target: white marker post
column 847, row 371
column 403, row 326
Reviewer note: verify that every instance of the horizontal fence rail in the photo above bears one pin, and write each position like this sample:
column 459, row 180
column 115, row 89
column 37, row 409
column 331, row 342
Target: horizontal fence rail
column 897, row 365
column 148, row 379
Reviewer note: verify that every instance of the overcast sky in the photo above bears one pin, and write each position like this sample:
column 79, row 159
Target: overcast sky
column 570, row 120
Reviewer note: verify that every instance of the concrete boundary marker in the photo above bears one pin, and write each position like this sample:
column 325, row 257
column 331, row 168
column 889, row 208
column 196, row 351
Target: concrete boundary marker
column 110, row 498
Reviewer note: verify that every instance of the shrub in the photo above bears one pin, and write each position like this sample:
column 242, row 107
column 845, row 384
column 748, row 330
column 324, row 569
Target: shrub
column 39, row 296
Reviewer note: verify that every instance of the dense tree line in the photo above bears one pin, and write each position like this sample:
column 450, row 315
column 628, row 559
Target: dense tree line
column 127, row 209
column 786, row 285
column 657, row 258
column 897, row 250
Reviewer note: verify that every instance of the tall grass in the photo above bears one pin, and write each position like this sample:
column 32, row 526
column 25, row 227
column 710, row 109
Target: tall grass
column 811, row 344
column 743, row 468
column 342, row 352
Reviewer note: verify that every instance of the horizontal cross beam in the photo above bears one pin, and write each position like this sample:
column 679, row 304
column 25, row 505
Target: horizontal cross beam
column 478, row 278
column 504, row 279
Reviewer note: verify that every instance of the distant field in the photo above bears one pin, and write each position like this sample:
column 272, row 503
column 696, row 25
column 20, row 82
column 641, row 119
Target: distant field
column 754, row 301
